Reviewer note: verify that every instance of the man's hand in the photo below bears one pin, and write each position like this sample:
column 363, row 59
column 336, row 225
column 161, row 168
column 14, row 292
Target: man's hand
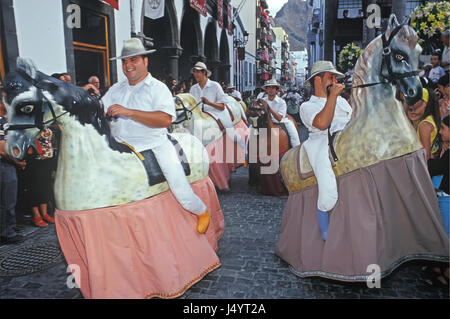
column 21, row 165
column 118, row 110
column 336, row 89
column 263, row 104
column 206, row 101
column 91, row 86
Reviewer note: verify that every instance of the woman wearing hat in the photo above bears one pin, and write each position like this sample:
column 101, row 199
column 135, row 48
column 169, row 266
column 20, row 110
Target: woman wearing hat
column 143, row 108
column 278, row 109
column 211, row 94
column 322, row 113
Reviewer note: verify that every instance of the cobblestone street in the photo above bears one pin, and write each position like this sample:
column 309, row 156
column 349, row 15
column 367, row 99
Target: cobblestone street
column 249, row 270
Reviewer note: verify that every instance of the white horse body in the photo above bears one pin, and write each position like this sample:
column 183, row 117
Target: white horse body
column 91, row 175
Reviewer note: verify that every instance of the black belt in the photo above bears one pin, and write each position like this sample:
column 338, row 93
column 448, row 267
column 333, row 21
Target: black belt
column 330, row 144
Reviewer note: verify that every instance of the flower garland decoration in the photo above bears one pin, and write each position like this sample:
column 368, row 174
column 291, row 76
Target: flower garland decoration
column 348, row 57
column 429, row 20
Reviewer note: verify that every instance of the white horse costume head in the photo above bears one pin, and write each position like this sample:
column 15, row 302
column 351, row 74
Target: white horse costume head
column 94, row 170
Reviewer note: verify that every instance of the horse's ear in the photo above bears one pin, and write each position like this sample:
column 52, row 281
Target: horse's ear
column 393, row 23
column 27, row 66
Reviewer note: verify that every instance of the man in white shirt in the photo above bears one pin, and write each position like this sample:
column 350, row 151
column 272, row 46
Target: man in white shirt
column 321, row 113
column 211, row 94
column 143, row 109
column 278, row 108
column 238, row 97
column 234, row 93
column 437, row 71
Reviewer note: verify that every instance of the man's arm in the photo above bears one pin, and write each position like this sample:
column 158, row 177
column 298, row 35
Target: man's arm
column 219, row 106
column 323, row 119
column 153, row 119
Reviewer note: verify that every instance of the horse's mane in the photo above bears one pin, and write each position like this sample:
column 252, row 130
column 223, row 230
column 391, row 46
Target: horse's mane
column 80, row 104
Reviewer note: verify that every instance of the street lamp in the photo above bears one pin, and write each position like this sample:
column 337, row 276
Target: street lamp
column 241, row 43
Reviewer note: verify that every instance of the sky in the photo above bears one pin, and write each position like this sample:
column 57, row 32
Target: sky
column 275, row 6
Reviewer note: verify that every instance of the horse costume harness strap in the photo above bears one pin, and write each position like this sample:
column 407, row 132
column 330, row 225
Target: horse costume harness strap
column 39, row 122
column 152, row 168
column 393, row 76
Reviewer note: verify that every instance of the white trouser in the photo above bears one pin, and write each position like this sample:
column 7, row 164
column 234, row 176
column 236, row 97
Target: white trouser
column 167, row 158
column 316, row 147
column 292, row 132
column 225, row 119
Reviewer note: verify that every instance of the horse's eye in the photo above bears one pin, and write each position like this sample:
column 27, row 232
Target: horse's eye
column 27, row 109
column 399, row 57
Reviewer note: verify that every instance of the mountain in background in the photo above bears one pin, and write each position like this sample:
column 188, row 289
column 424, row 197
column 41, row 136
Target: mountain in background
column 294, row 18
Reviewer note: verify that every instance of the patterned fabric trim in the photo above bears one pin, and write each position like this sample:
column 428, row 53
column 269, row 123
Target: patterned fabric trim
column 364, row 277
column 186, row 287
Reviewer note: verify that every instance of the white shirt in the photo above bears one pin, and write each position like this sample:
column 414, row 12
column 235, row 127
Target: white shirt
column 213, row 92
column 279, row 106
column 436, row 73
column 309, row 110
column 149, row 95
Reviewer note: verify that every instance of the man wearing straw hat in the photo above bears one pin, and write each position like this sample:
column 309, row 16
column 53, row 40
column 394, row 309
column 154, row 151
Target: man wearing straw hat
column 211, row 94
column 278, row 109
column 143, row 109
column 234, row 93
column 325, row 111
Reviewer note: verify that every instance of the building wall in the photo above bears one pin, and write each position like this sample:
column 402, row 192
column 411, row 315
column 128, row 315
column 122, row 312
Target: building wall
column 40, row 34
column 280, row 35
column 248, row 17
column 123, row 32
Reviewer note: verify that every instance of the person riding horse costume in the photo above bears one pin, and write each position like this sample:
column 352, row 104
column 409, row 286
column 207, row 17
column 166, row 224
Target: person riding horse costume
column 324, row 114
column 116, row 219
column 387, row 212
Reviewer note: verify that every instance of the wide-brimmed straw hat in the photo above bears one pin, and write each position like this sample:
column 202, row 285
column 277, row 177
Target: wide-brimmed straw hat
column 133, row 47
column 201, row 66
column 271, row 82
column 322, row 67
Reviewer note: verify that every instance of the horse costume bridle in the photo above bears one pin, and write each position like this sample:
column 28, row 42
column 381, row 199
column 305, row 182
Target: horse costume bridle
column 392, row 77
column 38, row 121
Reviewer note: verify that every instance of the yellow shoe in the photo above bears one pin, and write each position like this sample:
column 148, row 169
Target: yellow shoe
column 203, row 222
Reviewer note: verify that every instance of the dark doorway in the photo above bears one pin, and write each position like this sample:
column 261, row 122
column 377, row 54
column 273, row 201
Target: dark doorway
column 91, row 48
column 224, row 68
column 163, row 31
column 211, row 50
column 190, row 42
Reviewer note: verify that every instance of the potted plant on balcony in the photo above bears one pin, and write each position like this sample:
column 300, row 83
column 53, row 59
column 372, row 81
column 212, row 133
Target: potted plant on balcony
column 429, row 20
column 348, row 57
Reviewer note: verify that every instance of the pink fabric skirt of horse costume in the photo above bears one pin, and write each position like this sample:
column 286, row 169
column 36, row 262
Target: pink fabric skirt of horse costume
column 386, row 214
column 225, row 156
column 145, row 249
